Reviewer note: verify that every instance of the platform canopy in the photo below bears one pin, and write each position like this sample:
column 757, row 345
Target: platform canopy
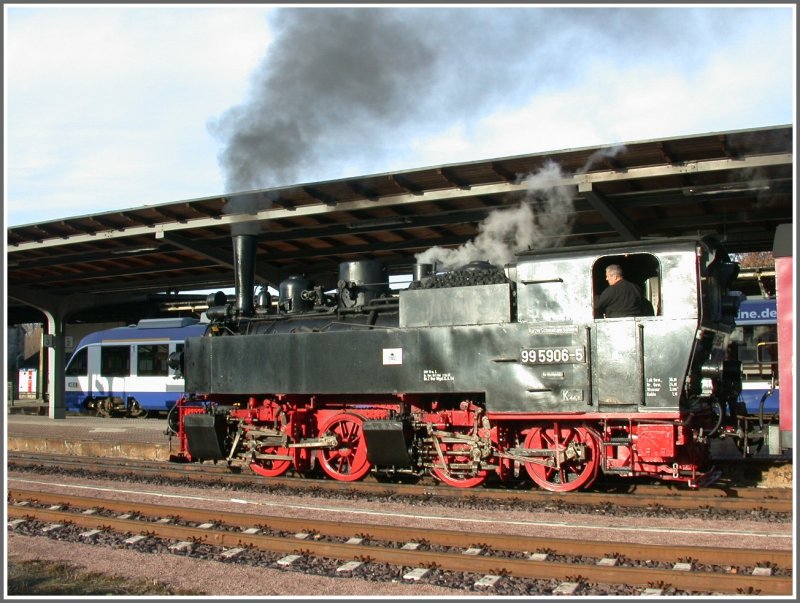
column 737, row 185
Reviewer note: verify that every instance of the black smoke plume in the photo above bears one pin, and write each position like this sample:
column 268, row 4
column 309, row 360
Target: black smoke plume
column 343, row 87
column 338, row 85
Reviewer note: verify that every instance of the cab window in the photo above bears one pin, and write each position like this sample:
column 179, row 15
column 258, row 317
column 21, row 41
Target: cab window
column 641, row 269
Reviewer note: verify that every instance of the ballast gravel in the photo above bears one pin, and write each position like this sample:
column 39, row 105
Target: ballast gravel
column 258, row 576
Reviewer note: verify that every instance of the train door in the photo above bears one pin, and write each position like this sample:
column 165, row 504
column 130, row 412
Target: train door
column 115, row 369
column 151, row 374
column 175, row 382
column 619, row 341
column 617, row 363
column 176, row 347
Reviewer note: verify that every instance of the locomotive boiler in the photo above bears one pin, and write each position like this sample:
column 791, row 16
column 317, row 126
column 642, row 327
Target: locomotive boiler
column 484, row 371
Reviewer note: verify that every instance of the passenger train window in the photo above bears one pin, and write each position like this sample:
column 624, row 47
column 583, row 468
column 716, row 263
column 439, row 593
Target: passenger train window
column 178, row 351
column 642, row 269
column 79, row 365
column 151, row 360
column 115, row 361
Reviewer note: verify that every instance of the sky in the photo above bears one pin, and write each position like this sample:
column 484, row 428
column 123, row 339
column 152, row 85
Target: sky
column 111, row 107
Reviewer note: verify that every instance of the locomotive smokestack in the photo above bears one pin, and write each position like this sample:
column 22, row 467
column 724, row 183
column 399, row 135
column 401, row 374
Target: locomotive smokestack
column 244, row 267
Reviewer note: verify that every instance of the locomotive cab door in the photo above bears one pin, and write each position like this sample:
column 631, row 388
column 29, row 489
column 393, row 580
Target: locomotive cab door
column 618, row 363
column 618, row 343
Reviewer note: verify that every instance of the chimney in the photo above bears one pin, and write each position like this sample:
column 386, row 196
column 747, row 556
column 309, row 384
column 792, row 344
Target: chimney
column 244, row 267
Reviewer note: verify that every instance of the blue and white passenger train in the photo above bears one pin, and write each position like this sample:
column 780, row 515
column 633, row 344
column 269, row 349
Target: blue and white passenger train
column 124, row 370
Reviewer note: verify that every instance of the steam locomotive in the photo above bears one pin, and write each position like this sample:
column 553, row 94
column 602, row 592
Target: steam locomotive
column 481, row 372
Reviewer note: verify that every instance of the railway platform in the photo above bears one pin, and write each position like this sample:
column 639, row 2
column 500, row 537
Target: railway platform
column 26, row 407
column 80, row 435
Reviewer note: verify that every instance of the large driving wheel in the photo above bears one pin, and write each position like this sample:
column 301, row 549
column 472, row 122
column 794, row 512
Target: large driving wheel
column 571, row 471
column 453, row 473
column 277, row 466
column 347, row 462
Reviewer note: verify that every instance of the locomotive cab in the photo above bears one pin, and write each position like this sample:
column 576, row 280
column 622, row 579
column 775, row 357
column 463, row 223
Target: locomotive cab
column 642, row 362
column 639, row 376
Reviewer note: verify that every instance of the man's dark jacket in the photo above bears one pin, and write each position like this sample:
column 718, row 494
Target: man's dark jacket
column 623, row 299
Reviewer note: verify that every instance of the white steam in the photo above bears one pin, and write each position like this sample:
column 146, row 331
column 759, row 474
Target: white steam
column 542, row 219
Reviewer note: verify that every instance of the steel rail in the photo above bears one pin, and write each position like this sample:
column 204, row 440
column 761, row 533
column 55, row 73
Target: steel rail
column 527, row 568
column 454, row 538
column 776, row 500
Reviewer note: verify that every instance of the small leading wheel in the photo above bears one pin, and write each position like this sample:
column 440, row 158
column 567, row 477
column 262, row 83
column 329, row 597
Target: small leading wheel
column 347, row 462
column 278, row 466
column 456, row 454
column 574, row 471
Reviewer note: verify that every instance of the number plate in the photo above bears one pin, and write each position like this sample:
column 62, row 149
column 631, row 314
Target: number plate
column 562, row 355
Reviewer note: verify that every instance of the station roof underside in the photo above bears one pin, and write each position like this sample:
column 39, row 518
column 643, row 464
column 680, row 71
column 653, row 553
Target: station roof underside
column 737, row 185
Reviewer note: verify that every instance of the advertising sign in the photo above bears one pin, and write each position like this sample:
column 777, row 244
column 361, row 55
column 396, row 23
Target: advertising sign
column 27, row 383
column 757, row 312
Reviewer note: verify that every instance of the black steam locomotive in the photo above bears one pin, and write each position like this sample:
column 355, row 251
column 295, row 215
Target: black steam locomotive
column 482, row 371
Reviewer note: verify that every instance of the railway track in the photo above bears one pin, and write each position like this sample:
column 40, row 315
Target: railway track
column 720, row 497
column 484, row 558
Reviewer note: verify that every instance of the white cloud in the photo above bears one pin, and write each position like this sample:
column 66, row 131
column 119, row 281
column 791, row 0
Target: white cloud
column 101, row 100
column 739, row 87
column 68, row 46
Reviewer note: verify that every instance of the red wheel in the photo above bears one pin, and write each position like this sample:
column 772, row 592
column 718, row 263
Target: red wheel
column 272, row 413
column 272, row 467
column 576, row 457
column 348, row 461
column 456, row 454
column 303, row 460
